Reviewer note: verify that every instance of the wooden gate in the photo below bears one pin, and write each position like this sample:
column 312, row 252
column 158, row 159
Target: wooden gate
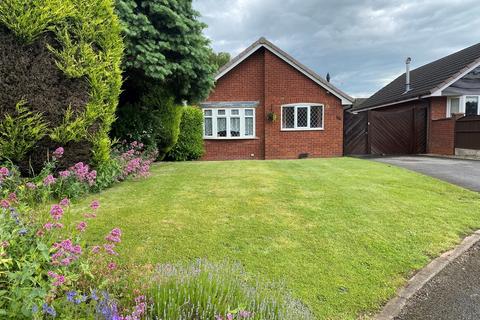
column 355, row 133
column 397, row 130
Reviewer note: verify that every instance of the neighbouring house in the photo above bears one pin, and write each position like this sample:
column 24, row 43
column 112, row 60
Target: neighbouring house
column 267, row 105
column 431, row 109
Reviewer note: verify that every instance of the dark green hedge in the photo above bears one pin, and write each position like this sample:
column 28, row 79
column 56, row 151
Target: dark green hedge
column 190, row 142
column 154, row 120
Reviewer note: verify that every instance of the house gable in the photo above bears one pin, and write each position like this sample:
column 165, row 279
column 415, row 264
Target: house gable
column 264, row 83
column 267, row 45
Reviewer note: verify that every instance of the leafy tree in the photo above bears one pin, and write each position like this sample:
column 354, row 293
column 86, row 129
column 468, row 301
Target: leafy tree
column 164, row 41
column 219, row 59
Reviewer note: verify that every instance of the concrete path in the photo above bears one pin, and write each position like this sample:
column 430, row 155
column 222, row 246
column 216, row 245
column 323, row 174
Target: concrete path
column 454, row 293
column 465, row 173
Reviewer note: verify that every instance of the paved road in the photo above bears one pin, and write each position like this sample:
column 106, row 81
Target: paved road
column 454, row 293
column 465, row 173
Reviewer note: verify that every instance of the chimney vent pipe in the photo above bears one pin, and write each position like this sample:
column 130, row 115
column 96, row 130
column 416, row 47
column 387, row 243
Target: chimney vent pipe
column 407, row 74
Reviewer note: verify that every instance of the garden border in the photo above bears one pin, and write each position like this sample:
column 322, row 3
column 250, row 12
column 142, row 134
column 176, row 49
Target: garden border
column 396, row 304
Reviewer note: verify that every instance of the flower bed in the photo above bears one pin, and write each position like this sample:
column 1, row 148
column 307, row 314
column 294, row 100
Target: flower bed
column 48, row 270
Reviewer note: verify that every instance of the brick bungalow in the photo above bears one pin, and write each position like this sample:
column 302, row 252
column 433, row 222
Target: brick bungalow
column 417, row 112
column 267, row 105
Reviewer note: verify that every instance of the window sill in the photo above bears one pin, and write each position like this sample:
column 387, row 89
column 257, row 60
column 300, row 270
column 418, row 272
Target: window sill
column 303, row 129
column 231, row 138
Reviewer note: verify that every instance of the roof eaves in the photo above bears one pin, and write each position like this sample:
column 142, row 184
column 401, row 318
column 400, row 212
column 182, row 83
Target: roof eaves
column 391, row 103
column 455, row 77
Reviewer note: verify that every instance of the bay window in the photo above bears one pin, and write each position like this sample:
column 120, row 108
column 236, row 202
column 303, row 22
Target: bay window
column 302, row 117
column 468, row 105
column 229, row 123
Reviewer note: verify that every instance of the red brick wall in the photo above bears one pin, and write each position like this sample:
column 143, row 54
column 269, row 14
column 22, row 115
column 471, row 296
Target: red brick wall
column 438, row 108
column 266, row 78
column 441, row 136
column 284, row 85
column 243, row 83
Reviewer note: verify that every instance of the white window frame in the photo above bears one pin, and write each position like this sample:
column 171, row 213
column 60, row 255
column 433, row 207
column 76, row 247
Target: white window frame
column 228, row 115
column 302, row 105
column 463, row 104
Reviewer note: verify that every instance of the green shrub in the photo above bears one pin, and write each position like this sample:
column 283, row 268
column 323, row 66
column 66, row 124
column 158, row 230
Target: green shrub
column 153, row 120
column 24, row 258
column 169, row 116
column 107, row 174
column 19, row 133
column 218, row 291
column 28, row 19
column 135, row 123
column 78, row 46
column 190, row 141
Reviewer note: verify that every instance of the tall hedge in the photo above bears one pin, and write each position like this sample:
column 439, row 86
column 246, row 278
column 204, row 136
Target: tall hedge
column 190, row 141
column 61, row 59
column 153, row 119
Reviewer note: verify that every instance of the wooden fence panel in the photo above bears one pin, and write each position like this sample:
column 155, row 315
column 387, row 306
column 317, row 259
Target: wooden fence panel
column 467, row 133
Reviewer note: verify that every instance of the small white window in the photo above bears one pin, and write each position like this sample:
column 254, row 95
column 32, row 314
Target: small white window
column 234, row 123
column 302, row 117
column 471, row 106
column 207, row 123
column 454, row 105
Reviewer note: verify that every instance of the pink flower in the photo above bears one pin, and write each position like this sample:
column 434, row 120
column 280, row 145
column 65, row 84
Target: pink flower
column 89, row 215
column 95, row 249
column 243, row 314
column 58, row 278
column 95, row 205
column 112, row 265
column 49, row 180
column 31, row 185
column 48, row 226
column 12, row 197
column 3, row 173
column 40, row 233
column 116, row 232
column 65, row 202
column 82, row 226
column 65, row 252
column 66, row 261
column 112, row 238
column 114, row 235
column 81, row 171
column 64, row 174
column 109, row 248
column 58, row 153
column 56, row 212
column 91, row 177
column 4, row 204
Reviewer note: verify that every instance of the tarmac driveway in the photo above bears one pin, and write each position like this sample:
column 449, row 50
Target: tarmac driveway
column 465, row 173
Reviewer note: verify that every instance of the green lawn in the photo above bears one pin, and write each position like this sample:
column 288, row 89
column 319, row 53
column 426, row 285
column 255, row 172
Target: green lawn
column 343, row 233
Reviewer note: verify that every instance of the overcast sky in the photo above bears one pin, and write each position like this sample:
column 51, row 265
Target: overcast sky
column 362, row 43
